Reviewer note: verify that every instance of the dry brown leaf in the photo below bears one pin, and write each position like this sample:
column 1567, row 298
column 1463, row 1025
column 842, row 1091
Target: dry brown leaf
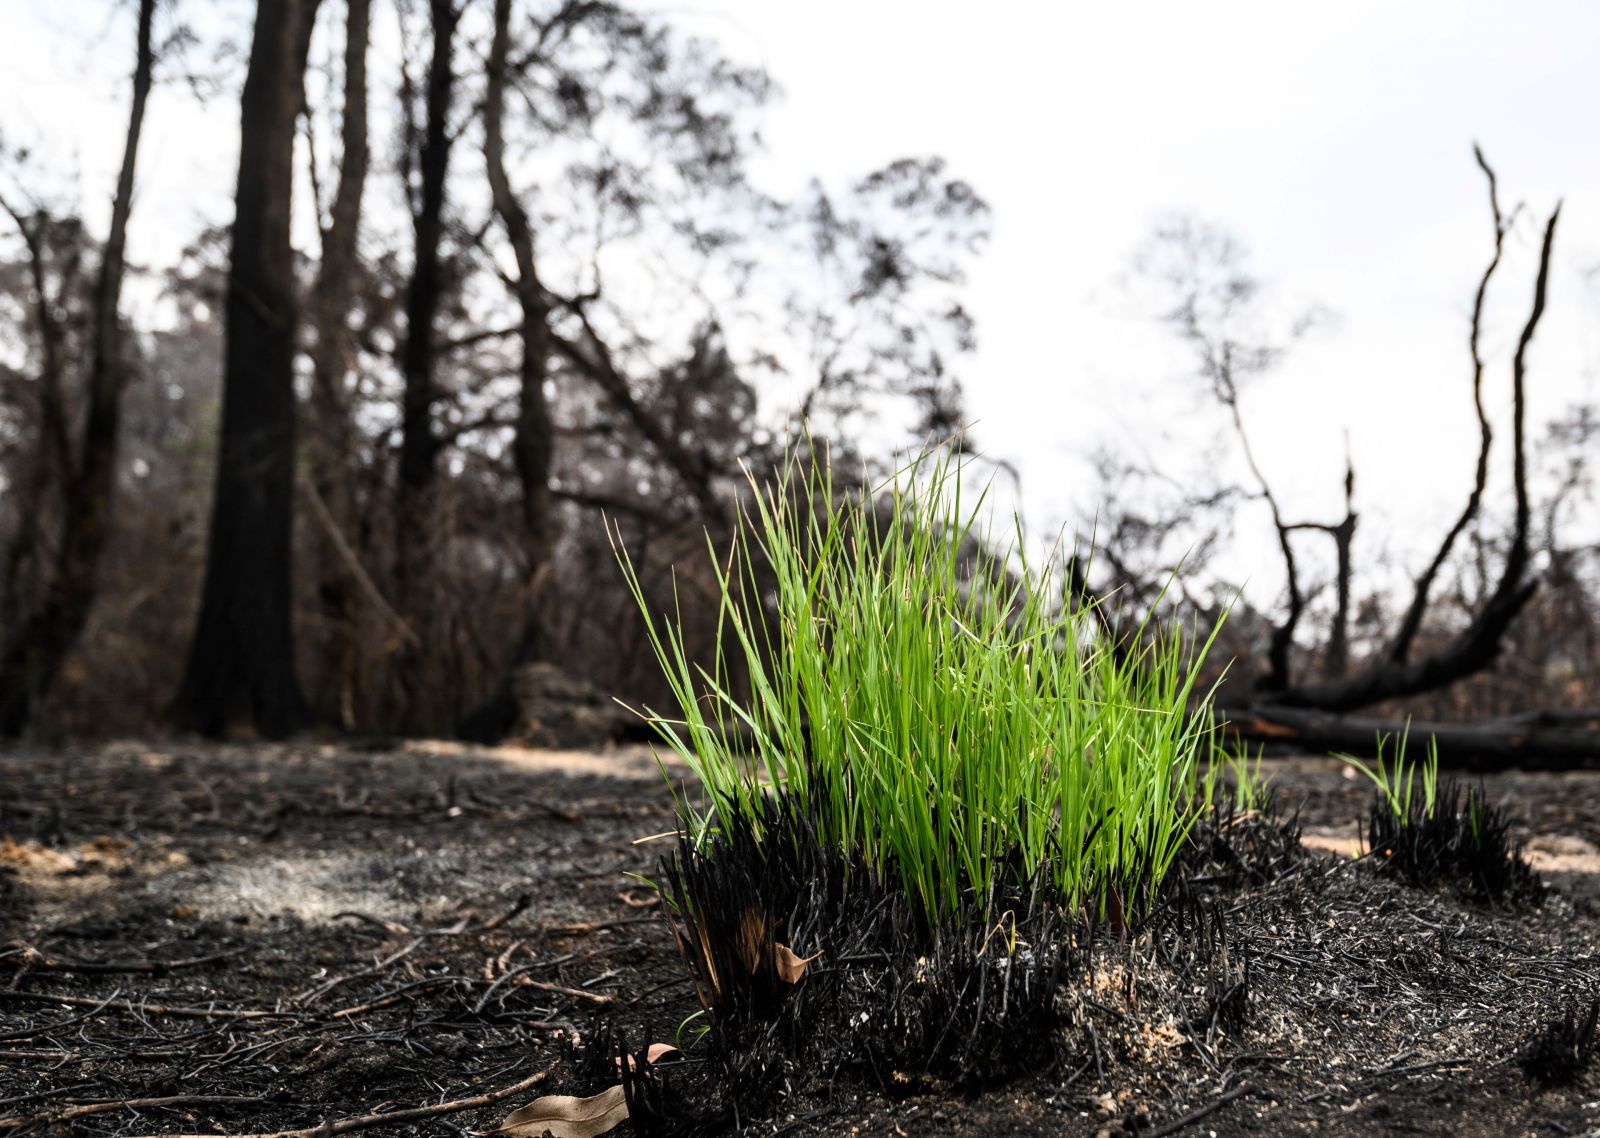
column 790, row 967
column 567, row 1116
column 653, row 1054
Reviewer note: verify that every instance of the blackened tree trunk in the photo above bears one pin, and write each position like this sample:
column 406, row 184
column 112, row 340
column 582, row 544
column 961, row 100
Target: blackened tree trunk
column 43, row 486
column 240, row 676
column 331, row 438
column 31, row 663
column 415, row 530
column 532, row 446
column 419, row 443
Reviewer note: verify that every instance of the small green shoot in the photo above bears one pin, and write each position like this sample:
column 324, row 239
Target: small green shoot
column 1398, row 787
column 1251, row 792
column 689, row 1034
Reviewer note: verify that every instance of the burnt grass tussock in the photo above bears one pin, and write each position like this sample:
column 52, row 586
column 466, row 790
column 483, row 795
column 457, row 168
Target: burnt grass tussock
column 1461, row 840
column 1560, row 1051
column 811, row 969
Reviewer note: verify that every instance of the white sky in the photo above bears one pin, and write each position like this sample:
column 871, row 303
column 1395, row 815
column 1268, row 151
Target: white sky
column 1333, row 139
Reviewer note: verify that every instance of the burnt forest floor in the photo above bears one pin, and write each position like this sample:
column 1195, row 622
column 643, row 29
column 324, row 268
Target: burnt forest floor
column 244, row 939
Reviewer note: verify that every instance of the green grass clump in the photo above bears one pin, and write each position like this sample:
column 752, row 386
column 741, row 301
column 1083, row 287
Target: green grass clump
column 946, row 719
column 1398, row 788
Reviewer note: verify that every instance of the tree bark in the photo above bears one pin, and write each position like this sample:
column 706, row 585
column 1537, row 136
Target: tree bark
column 419, row 444
column 30, row 665
column 415, row 529
column 532, row 446
column 240, row 676
column 331, row 439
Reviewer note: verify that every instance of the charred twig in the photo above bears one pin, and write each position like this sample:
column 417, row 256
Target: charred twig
column 1197, row 1114
column 35, row 961
column 149, row 1009
column 136, row 1104
column 389, row 1118
column 327, row 986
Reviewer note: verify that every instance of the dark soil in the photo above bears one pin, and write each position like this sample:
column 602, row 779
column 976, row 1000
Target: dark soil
column 274, row 937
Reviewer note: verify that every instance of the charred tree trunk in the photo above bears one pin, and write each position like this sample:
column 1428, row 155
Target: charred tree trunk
column 414, row 531
column 41, row 489
column 533, row 446
column 1343, row 534
column 31, row 664
column 331, row 439
column 1411, row 623
column 240, row 675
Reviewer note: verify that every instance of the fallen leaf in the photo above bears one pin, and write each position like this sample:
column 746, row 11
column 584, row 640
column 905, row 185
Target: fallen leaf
column 652, row 1054
column 567, row 1116
column 790, row 967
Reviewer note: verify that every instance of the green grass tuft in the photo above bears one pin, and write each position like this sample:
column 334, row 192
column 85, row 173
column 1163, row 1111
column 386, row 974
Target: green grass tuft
column 922, row 686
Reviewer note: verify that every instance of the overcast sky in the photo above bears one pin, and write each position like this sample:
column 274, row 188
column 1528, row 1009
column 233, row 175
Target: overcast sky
column 1335, row 140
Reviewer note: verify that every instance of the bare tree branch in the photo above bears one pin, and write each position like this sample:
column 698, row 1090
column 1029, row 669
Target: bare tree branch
column 1400, row 649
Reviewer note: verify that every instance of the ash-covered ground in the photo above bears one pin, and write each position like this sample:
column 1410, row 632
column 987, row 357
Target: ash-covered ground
column 250, row 939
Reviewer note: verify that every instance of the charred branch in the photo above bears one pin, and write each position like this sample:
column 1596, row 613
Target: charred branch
column 1478, row 645
column 1550, row 740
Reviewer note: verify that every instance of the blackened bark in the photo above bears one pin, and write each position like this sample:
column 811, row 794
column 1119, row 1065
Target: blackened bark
column 30, row 664
column 240, row 676
column 1343, row 534
column 532, row 446
column 1543, row 740
column 331, row 437
column 419, row 443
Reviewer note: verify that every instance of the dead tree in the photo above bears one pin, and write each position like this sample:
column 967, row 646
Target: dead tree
column 54, row 250
column 1395, row 673
column 1343, row 532
column 31, row 662
column 427, row 159
column 332, row 437
column 1287, row 707
column 1203, row 266
column 532, row 444
column 427, row 166
column 240, row 675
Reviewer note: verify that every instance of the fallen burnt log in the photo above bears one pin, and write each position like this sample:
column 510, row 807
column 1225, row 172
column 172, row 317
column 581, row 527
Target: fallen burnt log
column 1547, row 740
